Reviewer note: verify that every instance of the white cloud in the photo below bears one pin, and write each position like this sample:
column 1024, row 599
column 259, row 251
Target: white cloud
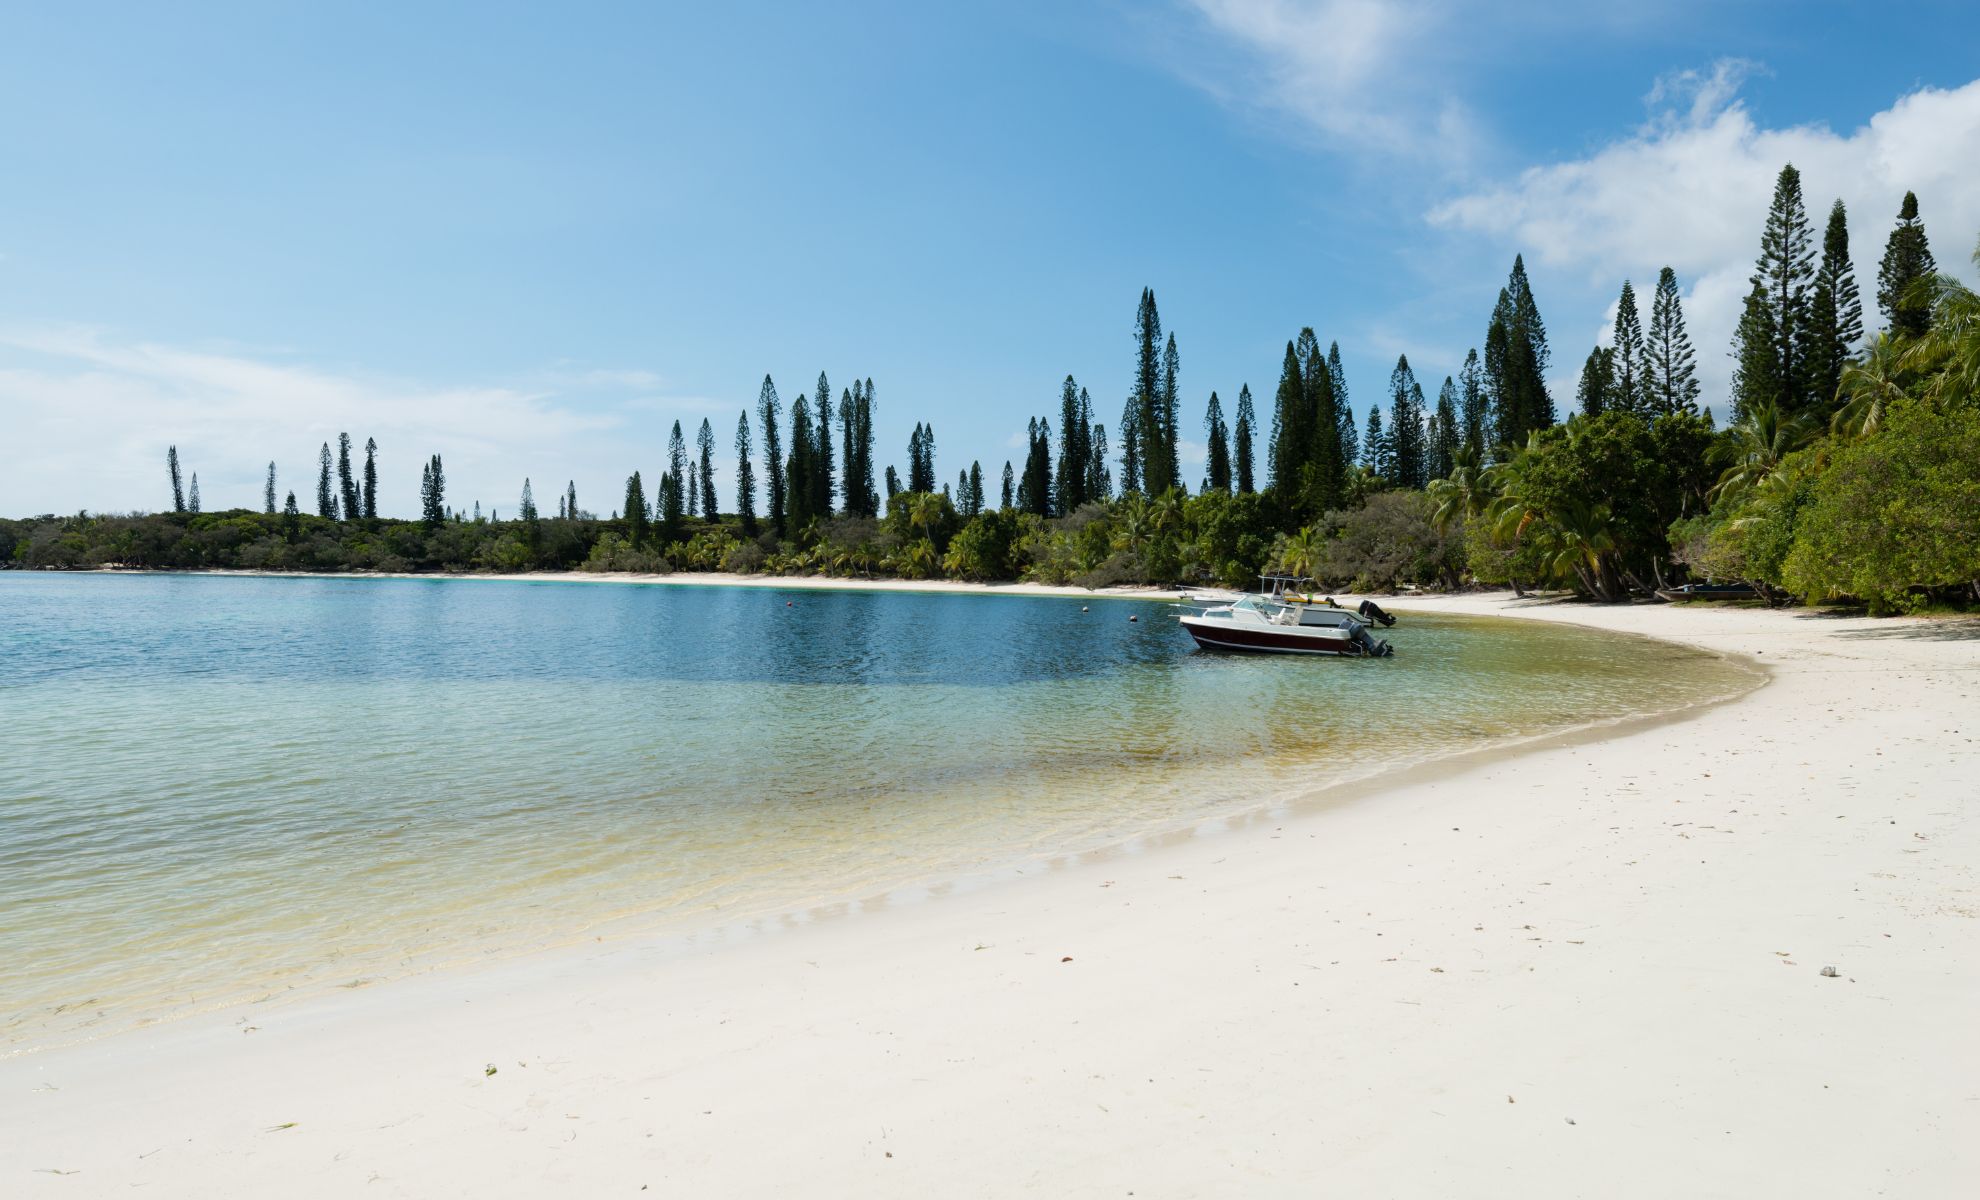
column 91, row 417
column 1690, row 189
column 1332, row 66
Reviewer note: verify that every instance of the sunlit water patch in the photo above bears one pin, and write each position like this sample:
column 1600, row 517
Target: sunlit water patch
column 217, row 789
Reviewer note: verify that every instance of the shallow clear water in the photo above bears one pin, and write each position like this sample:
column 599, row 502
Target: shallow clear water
column 217, row 789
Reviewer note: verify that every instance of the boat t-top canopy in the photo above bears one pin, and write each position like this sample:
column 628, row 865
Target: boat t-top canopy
column 1279, row 585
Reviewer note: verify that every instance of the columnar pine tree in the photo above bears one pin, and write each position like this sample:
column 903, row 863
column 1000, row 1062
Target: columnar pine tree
column 1147, row 398
column 975, row 487
column 178, row 486
column 855, row 501
column 673, row 486
column 369, row 500
column 1406, row 438
column 1837, row 310
column 1034, row 489
column 1075, row 431
column 1474, row 416
column 1010, row 488
column 1672, row 372
column 1501, row 397
column 745, row 477
column 532, row 530
column 1350, row 438
column 326, row 496
column 1171, row 415
column 768, row 407
column 1756, row 382
column 705, row 473
column 1242, row 437
column 432, row 492
column 1628, row 386
column 570, row 500
column 192, row 495
column 638, row 523
column 1907, row 259
column 1445, row 435
column 1375, row 445
column 1322, row 482
column 1292, row 435
column 1786, row 273
column 1516, row 361
column 1092, row 462
column 268, row 492
column 1099, row 479
column 291, row 519
column 1598, row 382
column 869, row 494
column 1217, row 437
column 1131, row 447
column 893, row 486
column 347, row 485
column 823, row 487
column 800, row 469
column 921, row 459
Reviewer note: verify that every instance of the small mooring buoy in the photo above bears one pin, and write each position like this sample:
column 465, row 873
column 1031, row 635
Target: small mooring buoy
column 787, row 604
column 1083, row 608
column 1134, row 618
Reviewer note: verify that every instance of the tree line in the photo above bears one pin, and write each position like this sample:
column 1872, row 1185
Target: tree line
column 1636, row 488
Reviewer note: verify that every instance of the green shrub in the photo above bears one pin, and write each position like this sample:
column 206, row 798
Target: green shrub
column 1390, row 541
column 613, row 553
column 1896, row 514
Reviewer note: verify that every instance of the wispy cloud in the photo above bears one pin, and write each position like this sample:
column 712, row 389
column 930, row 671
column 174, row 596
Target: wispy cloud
column 1333, row 67
column 99, row 412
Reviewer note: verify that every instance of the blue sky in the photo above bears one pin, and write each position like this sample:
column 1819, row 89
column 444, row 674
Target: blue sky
column 531, row 237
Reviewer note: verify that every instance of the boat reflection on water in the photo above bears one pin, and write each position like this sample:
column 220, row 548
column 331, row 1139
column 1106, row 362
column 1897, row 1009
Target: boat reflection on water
column 1287, row 618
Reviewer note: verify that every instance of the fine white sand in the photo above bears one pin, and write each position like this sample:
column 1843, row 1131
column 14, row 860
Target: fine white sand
column 1592, row 968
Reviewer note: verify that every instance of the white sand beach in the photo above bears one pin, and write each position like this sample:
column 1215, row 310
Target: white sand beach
column 1592, row 967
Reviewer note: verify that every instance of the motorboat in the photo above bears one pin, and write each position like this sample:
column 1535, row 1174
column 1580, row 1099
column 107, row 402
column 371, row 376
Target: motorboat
column 1286, row 617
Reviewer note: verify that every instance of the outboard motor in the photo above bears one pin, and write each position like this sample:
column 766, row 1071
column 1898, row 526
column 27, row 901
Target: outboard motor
column 1373, row 612
column 1370, row 645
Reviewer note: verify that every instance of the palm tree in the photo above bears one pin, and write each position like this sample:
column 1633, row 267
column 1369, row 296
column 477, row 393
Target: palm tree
column 1759, row 442
column 1302, row 551
column 1868, row 387
column 920, row 560
column 1947, row 355
column 1584, row 545
column 1463, row 494
column 924, row 510
column 1137, row 523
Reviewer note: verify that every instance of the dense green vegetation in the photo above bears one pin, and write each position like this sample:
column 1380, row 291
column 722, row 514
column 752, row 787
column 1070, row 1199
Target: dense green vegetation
column 1851, row 471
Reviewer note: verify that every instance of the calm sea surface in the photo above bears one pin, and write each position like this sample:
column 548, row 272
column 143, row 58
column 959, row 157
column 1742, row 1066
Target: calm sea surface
column 220, row 789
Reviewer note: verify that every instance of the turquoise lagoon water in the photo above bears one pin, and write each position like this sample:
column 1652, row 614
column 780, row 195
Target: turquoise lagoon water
column 218, row 789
